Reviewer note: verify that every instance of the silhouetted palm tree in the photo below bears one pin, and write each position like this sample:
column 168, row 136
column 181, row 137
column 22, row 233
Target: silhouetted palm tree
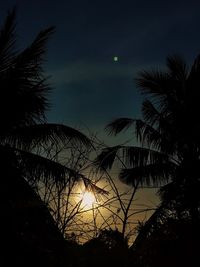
column 29, row 234
column 168, row 135
column 24, row 91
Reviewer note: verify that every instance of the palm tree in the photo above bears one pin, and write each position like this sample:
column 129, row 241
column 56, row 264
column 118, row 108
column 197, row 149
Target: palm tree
column 24, row 129
column 29, row 230
column 24, row 91
column 169, row 138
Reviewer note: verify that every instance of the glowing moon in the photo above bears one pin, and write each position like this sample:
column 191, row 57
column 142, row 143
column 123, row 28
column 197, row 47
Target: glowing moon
column 115, row 58
column 88, row 199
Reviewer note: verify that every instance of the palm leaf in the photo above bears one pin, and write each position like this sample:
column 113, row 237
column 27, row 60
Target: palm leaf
column 177, row 67
column 148, row 175
column 142, row 129
column 106, row 158
column 118, row 125
column 156, row 130
column 90, row 186
column 141, row 156
column 37, row 168
column 150, row 113
column 147, row 135
column 161, row 87
column 7, row 42
column 153, row 83
column 130, row 155
column 45, row 134
column 24, row 86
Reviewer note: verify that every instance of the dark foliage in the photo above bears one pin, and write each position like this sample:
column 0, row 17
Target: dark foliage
column 173, row 243
column 108, row 249
column 29, row 234
column 169, row 155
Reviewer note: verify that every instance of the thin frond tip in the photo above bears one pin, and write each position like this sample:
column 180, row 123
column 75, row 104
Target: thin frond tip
column 118, row 125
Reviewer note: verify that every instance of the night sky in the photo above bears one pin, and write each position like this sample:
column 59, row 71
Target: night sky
column 90, row 88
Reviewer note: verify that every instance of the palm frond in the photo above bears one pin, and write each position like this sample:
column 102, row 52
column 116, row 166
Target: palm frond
column 158, row 140
column 140, row 156
column 106, row 158
column 7, row 41
column 118, row 125
column 156, row 130
column 131, row 156
column 37, row 168
column 148, row 175
column 150, row 113
column 121, row 124
column 177, row 67
column 163, row 89
column 24, row 85
column 147, row 135
column 144, row 132
column 28, row 74
column 45, row 134
column 153, row 83
column 90, row 186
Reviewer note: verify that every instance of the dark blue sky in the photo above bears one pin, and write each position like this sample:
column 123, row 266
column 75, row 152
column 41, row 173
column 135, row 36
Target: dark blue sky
column 89, row 87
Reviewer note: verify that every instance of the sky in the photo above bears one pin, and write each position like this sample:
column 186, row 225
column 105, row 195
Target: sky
column 90, row 89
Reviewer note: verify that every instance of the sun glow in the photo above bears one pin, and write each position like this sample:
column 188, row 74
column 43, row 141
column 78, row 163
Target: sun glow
column 88, row 199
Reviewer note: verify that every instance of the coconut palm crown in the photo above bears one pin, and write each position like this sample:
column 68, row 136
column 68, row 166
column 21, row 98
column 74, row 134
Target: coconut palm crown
column 24, row 92
column 168, row 153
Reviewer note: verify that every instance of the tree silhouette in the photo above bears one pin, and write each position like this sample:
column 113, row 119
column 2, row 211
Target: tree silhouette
column 29, row 230
column 24, row 91
column 109, row 248
column 168, row 135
